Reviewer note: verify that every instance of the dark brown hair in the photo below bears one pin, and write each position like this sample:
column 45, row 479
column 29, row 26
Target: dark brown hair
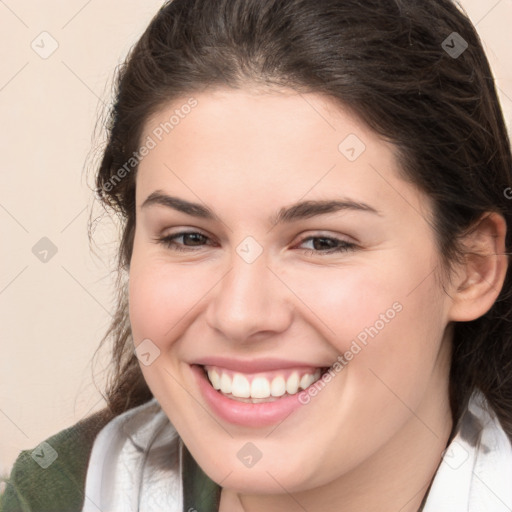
column 390, row 63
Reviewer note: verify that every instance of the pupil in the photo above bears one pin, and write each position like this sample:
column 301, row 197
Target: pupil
column 195, row 238
column 323, row 243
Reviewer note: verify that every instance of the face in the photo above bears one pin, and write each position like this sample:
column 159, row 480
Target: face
column 283, row 282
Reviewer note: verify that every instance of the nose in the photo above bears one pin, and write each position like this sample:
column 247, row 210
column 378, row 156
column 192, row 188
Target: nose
column 249, row 302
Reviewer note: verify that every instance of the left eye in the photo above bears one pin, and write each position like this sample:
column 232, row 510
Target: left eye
column 327, row 245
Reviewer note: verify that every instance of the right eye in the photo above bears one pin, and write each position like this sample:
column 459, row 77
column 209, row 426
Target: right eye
column 183, row 241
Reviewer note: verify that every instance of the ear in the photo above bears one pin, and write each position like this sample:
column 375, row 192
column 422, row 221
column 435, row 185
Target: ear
column 479, row 280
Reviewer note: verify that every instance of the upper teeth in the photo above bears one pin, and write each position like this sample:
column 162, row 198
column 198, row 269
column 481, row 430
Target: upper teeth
column 259, row 386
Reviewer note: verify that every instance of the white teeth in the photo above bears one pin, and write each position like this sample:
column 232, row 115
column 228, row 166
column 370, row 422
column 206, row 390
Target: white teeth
column 292, row 384
column 306, row 381
column 225, row 384
column 278, row 386
column 238, row 384
column 260, row 388
column 214, row 379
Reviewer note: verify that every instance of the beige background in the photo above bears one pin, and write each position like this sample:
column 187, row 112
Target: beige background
column 54, row 313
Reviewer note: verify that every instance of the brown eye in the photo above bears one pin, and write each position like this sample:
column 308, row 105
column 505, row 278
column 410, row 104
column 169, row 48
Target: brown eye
column 327, row 245
column 181, row 241
column 193, row 238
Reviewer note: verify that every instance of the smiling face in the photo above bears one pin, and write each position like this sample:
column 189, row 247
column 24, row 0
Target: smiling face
column 290, row 244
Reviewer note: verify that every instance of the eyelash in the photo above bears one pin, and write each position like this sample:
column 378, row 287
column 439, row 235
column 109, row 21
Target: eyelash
column 343, row 246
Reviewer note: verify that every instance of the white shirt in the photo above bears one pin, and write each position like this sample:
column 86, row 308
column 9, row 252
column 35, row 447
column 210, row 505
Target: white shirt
column 135, row 465
column 475, row 474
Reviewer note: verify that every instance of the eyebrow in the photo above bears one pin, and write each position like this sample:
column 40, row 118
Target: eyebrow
column 295, row 212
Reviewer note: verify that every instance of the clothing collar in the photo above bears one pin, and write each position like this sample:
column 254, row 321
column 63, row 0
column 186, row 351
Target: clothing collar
column 139, row 464
column 475, row 473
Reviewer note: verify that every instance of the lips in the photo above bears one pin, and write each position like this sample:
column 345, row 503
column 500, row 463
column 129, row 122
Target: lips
column 259, row 365
column 261, row 383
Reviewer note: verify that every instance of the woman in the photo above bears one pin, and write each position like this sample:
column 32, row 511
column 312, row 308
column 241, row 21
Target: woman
column 313, row 269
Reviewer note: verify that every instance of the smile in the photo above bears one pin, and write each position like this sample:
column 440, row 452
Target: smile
column 261, row 387
column 254, row 393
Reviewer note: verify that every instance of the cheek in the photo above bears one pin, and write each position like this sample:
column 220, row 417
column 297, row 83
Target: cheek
column 387, row 316
column 344, row 302
column 393, row 338
column 162, row 297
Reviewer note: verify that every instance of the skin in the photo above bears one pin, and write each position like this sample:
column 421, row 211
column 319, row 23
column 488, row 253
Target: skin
column 384, row 418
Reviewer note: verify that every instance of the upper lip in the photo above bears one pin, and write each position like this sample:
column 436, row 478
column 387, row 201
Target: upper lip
column 254, row 365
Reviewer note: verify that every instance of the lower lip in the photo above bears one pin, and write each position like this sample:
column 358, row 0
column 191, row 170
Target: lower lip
column 242, row 413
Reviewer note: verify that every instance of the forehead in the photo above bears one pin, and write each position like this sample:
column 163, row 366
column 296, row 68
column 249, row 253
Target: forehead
column 229, row 145
column 253, row 122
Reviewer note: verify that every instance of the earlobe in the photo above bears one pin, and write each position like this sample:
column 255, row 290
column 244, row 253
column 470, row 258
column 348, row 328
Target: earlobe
column 480, row 280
